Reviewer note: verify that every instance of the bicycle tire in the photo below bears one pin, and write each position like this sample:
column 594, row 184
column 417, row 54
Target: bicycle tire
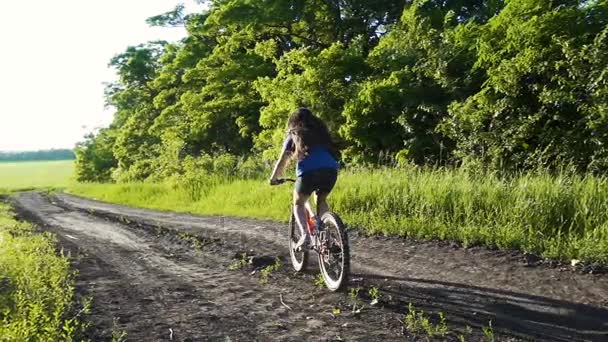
column 332, row 221
column 299, row 260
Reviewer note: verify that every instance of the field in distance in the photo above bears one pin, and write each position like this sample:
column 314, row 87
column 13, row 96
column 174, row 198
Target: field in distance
column 36, row 174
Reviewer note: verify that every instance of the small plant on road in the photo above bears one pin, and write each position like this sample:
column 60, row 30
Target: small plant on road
column 417, row 322
column 489, row 332
column 192, row 240
column 467, row 332
column 353, row 296
column 118, row 335
column 374, row 294
column 239, row 263
column 159, row 230
column 266, row 271
column 319, row 282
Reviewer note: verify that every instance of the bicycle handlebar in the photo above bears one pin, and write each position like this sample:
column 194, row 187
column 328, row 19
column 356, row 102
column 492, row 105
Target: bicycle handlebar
column 282, row 180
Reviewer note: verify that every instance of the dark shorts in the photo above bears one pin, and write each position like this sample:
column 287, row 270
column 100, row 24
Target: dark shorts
column 321, row 181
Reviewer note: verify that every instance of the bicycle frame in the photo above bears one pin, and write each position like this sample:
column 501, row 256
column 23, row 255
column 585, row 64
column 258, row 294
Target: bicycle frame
column 322, row 243
column 310, row 213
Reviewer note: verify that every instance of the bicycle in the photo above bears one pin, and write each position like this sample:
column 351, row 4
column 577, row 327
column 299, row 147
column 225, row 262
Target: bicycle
column 329, row 240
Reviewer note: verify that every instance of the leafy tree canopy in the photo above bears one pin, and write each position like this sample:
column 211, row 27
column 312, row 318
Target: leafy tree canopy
column 509, row 83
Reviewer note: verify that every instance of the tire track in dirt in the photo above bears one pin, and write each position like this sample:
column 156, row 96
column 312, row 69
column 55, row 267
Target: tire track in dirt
column 157, row 282
column 161, row 289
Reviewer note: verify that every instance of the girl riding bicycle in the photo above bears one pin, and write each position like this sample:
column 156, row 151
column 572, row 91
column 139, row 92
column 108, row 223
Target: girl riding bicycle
column 309, row 142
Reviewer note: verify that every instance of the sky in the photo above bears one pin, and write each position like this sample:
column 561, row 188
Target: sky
column 54, row 59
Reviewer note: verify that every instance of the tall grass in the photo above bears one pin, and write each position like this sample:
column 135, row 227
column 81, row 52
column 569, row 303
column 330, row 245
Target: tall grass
column 36, row 293
column 555, row 215
column 562, row 216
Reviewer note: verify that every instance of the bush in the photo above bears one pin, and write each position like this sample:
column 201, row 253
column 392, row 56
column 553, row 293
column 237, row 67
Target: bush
column 36, row 286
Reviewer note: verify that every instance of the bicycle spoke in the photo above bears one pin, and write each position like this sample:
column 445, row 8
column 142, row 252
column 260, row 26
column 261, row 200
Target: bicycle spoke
column 332, row 256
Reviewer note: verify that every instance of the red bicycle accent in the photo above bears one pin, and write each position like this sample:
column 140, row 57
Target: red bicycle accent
column 329, row 240
column 311, row 223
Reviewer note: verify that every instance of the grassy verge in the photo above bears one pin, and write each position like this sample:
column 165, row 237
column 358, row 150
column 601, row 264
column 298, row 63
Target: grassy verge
column 36, row 293
column 558, row 216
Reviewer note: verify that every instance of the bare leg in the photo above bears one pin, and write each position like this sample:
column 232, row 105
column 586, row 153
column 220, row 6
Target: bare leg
column 299, row 209
column 311, row 212
column 322, row 206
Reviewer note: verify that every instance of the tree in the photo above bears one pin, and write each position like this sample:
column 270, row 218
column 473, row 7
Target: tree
column 321, row 80
column 94, row 158
column 418, row 69
column 511, row 83
column 543, row 103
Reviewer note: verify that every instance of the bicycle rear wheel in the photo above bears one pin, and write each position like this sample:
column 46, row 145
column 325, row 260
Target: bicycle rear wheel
column 334, row 252
column 299, row 259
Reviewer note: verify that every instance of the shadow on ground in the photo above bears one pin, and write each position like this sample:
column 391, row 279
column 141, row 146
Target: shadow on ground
column 526, row 316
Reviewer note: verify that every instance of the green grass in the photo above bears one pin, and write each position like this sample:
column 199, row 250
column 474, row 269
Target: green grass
column 36, row 286
column 30, row 175
column 559, row 216
column 418, row 322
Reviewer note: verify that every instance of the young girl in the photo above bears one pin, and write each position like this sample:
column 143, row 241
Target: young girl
column 308, row 140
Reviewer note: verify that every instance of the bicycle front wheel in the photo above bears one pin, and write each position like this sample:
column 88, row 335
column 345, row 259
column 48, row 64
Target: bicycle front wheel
column 334, row 252
column 299, row 258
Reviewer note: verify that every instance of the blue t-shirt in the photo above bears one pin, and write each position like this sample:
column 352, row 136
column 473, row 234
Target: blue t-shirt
column 318, row 157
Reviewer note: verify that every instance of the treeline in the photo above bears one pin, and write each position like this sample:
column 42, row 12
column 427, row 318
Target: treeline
column 506, row 84
column 42, row 155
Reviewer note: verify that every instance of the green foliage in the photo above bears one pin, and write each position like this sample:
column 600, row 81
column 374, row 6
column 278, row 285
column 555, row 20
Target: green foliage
column 374, row 293
column 268, row 270
column 321, row 81
column 563, row 216
column 94, row 158
column 543, row 100
column 417, row 322
column 175, row 17
column 419, row 68
column 489, row 332
column 36, row 286
column 353, row 299
column 223, row 113
column 135, row 67
column 319, row 282
column 118, row 335
column 204, row 95
column 505, row 84
column 196, row 178
column 487, row 86
column 237, row 264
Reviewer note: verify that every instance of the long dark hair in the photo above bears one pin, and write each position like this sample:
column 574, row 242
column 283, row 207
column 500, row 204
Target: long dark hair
column 308, row 131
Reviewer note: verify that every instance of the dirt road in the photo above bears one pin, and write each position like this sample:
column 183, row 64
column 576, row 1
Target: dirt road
column 166, row 276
